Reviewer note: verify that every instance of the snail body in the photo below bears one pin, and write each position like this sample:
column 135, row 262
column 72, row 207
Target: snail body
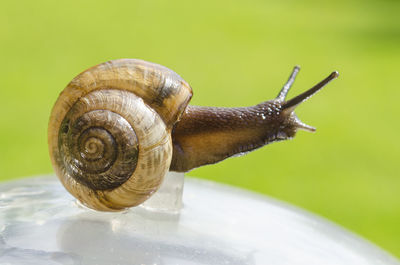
column 119, row 127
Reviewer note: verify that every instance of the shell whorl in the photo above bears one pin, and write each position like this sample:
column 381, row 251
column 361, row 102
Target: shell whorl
column 110, row 132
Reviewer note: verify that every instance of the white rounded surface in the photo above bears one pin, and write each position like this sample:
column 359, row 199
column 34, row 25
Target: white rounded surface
column 40, row 223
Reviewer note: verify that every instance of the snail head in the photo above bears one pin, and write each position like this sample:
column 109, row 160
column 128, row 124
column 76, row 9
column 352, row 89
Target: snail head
column 291, row 123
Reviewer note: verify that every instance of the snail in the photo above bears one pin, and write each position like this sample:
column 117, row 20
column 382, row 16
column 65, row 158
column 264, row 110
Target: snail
column 120, row 126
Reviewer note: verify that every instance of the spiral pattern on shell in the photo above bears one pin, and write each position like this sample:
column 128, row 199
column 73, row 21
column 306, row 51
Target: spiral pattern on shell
column 110, row 132
column 99, row 146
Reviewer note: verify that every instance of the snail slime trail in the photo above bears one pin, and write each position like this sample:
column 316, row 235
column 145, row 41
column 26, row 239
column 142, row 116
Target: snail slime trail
column 120, row 126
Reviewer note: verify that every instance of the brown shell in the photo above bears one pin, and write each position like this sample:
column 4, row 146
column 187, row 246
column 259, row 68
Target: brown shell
column 121, row 164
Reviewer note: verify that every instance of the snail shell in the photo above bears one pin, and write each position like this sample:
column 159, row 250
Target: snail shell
column 110, row 132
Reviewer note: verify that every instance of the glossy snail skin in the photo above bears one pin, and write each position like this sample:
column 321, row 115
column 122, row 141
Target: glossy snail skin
column 206, row 135
column 120, row 126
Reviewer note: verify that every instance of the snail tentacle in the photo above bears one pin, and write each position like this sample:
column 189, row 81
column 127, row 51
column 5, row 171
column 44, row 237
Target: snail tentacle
column 285, row 89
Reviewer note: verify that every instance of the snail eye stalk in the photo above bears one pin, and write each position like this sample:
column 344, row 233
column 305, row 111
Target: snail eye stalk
column 291, row 104
column 285, row 89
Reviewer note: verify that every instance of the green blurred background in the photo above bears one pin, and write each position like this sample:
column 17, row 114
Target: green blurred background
column 233, row 53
